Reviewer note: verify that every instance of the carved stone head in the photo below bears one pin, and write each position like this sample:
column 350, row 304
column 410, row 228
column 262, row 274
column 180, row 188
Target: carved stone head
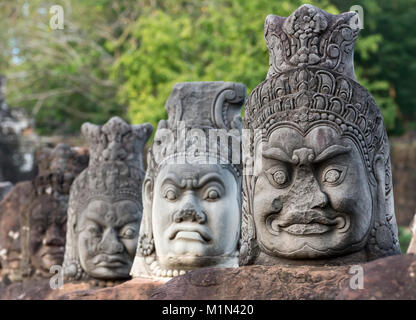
column 192, row 188
column 105, row 206
column 320, row 189
column 33, row 214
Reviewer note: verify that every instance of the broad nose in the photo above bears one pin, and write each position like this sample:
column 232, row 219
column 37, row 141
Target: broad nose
column 110, row 243
column 191, row 211
column 307, row 190
column 54, row 236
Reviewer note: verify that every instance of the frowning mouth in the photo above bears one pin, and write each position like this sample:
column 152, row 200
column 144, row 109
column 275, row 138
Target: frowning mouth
column 192, row 234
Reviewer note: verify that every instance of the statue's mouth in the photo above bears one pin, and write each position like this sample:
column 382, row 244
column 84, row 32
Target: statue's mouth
column 191, row 233
column 109, row 261
column 312, row 222
column 54, row 252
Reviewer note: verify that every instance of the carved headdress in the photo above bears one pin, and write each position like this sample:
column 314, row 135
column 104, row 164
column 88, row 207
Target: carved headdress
column 115, row 172
column 203, row 127
column 311, row 81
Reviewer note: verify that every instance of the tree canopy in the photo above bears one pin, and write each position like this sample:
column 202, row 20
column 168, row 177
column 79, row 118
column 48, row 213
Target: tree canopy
column 123, row 57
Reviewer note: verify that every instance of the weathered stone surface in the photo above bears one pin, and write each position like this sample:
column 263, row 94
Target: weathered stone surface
column 387, row 278
column 317, row 186
column 256, row 282
column 136, row 289
column 391, row 278
column 192, row 188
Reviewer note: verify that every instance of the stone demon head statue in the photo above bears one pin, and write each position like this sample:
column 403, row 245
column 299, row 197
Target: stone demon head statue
column 317, row 183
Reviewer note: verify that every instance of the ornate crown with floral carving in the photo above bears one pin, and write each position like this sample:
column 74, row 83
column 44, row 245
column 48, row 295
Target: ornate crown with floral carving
column 115, row 168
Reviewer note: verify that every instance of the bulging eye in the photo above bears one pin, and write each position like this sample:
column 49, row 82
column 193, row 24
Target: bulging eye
column 212, row 195
column 334, row 175
column 171, row 195
column 278, row 177
column 128, row 233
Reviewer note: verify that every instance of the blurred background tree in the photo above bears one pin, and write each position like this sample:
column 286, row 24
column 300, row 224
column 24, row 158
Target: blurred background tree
column 123, row 57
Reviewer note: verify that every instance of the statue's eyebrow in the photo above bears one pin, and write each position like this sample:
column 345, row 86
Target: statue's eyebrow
column 330, row 152
column 277, row 154
column 210, row 177
column 173, row 179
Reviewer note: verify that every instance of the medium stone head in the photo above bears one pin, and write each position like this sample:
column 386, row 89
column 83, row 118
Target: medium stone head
column 105, row 205
column 192, row 189
column 320, row 189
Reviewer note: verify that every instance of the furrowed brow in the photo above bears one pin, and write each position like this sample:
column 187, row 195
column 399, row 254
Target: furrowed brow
column 277, row 154
column 330, row 152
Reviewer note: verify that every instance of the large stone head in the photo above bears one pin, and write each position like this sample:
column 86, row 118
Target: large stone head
column 192, row 188
column 317, row 185
column 105, row 206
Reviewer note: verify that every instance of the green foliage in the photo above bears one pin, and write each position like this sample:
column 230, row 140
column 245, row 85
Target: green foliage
column 405, row 236
column 385, row 54
column 194, row 41
column 123, row 57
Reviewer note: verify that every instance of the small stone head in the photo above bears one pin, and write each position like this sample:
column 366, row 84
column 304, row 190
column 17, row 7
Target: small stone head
column 47, row 221
column 105, row 203
column 321, row 182
column 192, row 196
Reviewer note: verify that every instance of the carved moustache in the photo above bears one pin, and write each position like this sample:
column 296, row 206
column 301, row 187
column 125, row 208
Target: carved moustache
column 306, row 222
column 189, row 214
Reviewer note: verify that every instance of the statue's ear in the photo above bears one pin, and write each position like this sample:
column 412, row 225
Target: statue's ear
column 148, row 192
column 380, row 175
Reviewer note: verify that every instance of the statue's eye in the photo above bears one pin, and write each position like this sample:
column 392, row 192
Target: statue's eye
column 128, row 233
column 278, row 177
column 94, row 231
column 170, row 194
column 212, row 194
column 334, row 175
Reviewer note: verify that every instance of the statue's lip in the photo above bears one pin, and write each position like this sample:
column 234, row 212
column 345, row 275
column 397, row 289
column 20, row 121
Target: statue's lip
column 307, row 229
column 109, row 261
column 190, row 233
column 313, row 222
column 312, row 217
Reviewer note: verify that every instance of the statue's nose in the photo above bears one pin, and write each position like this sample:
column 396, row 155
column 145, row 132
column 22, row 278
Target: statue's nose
column 53, row 236
column 307, row 190
column 191, row 211
column 110, row 243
